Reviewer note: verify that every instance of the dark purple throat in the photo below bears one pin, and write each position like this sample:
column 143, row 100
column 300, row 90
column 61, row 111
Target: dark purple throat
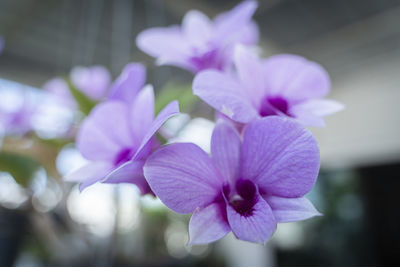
column 208, row 60
column 243, row 197
column 123, row 156
column 271, row 106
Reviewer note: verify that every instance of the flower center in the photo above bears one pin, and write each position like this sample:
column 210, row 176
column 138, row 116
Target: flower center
column 123, row 156
column 270, row 106
column 243, row 197
column 207, row 60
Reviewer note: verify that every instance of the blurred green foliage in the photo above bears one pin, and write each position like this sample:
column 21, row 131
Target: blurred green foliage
column 22, row 168
column 85, row 104
column 54, row 143
column 175, row 91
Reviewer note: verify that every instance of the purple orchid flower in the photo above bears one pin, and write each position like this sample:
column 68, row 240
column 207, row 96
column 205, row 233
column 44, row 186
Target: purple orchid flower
column 284, row 85
column 93, row 81
column 18, row 122
column 246, row 186
column 59, row 90
column 118, row 134
column 18, row 108
column 125, row 88
column 201, row 43
column 129, row 83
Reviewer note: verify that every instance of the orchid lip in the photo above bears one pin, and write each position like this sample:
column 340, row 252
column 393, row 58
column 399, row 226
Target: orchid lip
column 243, row 197
column 207, row 60
column 274, row 105
column 123, row 156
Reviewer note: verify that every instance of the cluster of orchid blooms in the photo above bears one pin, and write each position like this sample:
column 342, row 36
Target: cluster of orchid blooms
column 263, row 160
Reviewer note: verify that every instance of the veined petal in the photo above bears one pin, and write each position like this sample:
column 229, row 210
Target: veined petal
column 320, row 107
column 105, row 132
column 257, row 227
column 170, row 110
column 89, row 174
column 305, row 117
column 125, row 173
column 131, row 172
column 197, row 28
column 280, row 156
column 310, row 112
column 129, row 83
column 92, row 81
column 183, row 176
column 251, row 74
column 249, row 34
column 59, row 89
column 229, row 24
column 295, row 78
column 180, row 62
column 165, row 43
column 94, row 144
column 111, row 117
column 291, row 209
column 208, row 224
column 91, row 169
column 223, row 93
column 142, row 112
column 225, row 150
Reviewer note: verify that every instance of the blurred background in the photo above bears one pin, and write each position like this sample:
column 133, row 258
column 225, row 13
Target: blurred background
column 45, row 222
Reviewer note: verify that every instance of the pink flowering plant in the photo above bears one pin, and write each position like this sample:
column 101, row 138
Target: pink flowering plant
column 263, row 159
column 118, row 135
column 200, row 43
column 247, row 185
column 257, row 174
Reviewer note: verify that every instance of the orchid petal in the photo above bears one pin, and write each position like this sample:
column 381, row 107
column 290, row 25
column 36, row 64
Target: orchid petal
column 223, row 93
column 280, row 156
column 125, row 173
column 98, row 138
column 229, row 24
column 208, row 224
column 94, row 144
column 131, row 172
column 249, row 34
column 320, row 107
column 142, row 112
column 93, row 81
column 257, row 227
column 310, row 112
column 305, row 117
column 89, row 174
column 59, row 89
column 168, row 45
column 251, row 74
column 129, row 83
column 170, row 110
column 295, row 78
column 183, row 176
column 225, row 150
column 197, row 28
column 291, row 209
